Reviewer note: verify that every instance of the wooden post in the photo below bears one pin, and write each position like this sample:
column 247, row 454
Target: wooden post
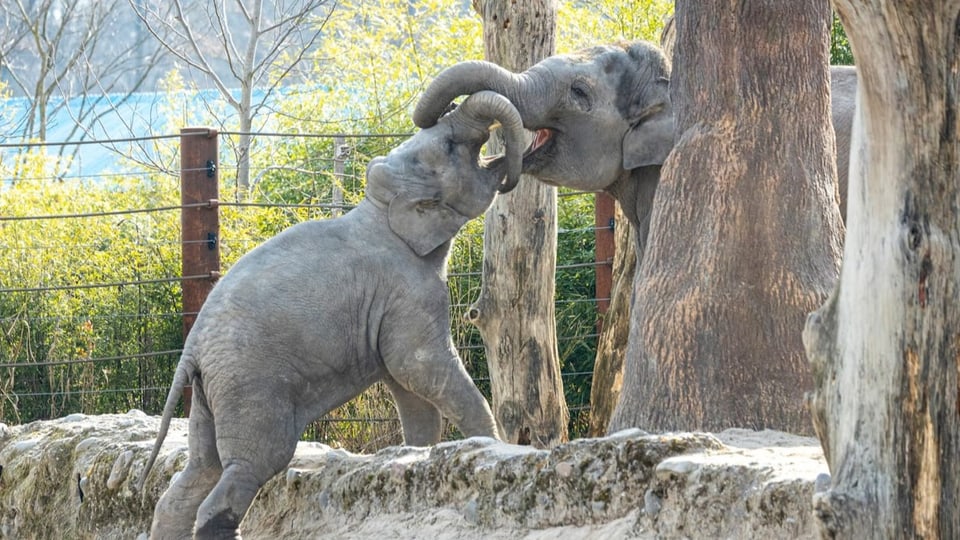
column 199, row 224
column 613, row 325
column 605, row 247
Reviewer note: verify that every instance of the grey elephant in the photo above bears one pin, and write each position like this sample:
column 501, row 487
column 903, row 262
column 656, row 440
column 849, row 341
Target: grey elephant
column 312, row 317
column 604, row 120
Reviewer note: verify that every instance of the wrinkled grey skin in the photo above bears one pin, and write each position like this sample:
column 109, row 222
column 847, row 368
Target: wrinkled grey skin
column 604, row 119
column 312, row 317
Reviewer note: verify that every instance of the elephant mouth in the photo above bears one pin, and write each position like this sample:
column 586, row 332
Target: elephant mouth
column 534, row 157
column 543, row 139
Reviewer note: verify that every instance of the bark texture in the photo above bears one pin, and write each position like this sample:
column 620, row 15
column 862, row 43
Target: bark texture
column 515, row 311
column 612, row 346
column 885, row 348
column 745, row 233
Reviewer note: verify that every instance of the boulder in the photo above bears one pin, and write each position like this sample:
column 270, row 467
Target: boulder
column 76, row 477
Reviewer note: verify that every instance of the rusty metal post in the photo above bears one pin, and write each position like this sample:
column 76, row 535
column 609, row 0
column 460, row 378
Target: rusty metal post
column 199, row 224
column 604, row 248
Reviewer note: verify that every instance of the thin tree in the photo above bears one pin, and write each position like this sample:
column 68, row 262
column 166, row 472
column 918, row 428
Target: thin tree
column 515, row 312
column 239, row 47
column 69, row 57
column 745, row 232
column 885, row 347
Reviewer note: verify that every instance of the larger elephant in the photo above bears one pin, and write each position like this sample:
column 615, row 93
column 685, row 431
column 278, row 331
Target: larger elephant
column 603, row 118
column 309, row 319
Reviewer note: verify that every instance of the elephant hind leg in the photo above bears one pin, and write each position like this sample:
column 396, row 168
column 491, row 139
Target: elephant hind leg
column 220, row 514
column 252, row 451
column 176, row 510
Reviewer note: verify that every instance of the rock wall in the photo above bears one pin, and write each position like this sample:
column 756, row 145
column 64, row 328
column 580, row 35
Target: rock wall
column 76, row 477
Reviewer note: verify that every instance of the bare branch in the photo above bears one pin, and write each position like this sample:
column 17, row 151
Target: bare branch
column 230, row 46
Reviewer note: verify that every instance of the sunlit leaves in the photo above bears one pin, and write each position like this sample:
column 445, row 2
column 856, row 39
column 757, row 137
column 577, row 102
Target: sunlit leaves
column 840, row 51
column 88, row 302
column 585, row 23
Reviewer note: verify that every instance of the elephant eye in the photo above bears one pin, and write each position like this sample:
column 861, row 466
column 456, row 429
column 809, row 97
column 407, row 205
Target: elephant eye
column 580, row 94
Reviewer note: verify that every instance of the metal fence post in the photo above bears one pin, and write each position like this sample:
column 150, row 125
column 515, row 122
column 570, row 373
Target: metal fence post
column 199, row 224
column 604, row 211
column 340, row 150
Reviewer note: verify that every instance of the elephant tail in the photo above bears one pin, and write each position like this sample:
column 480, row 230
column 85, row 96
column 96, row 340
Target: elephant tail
column 186, row 369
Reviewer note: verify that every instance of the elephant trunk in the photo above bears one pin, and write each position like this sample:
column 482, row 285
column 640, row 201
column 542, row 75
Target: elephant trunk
column 485, row 107
column 467, row 78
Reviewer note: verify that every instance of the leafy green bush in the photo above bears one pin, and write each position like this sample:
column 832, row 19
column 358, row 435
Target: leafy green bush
column 74, row 292
column 841, row 53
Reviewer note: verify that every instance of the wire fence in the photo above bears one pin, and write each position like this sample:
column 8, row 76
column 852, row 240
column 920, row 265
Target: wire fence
column 91, row 276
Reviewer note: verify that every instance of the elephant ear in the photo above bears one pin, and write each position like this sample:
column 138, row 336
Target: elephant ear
column 423, row 223
column 649, row 141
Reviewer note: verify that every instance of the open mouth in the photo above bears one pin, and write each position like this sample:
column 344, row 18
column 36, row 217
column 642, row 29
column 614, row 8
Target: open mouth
column 541, row 138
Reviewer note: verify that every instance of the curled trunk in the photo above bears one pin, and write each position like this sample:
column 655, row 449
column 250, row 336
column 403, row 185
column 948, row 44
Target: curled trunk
column 482, row 108
column 460, row 79
column 531, row 91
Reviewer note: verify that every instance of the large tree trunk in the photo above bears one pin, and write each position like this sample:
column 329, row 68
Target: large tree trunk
column 745, row 231
column 885, row 347
column 515, row 311
column 612, row 345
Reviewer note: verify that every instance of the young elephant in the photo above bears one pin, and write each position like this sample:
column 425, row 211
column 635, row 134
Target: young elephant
column 309, row 319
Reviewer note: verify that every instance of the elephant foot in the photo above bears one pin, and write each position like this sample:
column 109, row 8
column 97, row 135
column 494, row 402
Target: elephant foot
column 223, row 526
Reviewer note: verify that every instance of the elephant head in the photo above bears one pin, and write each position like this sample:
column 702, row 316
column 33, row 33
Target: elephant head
column 597, row 113
column 435, row 182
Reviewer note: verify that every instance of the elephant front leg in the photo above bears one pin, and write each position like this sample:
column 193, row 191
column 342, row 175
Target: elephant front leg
column 438, row 376
column 420, row 419
column 458, row 398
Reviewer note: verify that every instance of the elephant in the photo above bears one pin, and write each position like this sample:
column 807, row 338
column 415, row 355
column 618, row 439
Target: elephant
column 310, row 318
column 603, row 119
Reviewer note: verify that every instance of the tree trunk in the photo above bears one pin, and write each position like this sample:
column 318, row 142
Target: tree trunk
column 745, row 232
column 887, row 341
column 612, row 346
column 515, row 311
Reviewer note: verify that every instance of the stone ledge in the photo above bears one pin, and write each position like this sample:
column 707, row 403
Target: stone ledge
column 75, row 477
